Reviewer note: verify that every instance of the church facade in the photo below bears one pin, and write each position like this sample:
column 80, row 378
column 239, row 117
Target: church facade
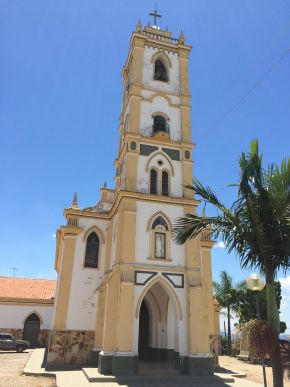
column 125, row 289
column 126, row 292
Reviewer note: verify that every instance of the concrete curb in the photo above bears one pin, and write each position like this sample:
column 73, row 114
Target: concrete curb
column 34, row 365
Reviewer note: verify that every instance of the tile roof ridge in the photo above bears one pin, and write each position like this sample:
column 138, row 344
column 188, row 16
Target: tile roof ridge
column 28, row 278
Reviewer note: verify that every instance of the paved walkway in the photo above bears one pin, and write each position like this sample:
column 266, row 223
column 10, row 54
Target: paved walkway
column 78, row 379
column 254, row 372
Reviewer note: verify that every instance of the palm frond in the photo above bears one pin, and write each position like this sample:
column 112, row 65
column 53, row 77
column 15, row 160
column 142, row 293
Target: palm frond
column 257, row 225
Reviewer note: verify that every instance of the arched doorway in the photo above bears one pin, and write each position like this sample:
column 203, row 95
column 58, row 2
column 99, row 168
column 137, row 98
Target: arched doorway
column 158, row 325
column 31, row 329
column 143, row 345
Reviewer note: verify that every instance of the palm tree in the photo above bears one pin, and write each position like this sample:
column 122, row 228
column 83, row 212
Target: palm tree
column 226, row 295
column 256, row 226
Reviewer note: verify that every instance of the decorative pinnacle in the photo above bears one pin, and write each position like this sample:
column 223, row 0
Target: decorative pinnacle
column 139, row 26
column 105, row 184
column 75, row 201
column 203, row 215
column 181, row 38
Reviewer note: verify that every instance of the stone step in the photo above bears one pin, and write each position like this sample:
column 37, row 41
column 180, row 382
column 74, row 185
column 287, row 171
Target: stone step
column 93, row 376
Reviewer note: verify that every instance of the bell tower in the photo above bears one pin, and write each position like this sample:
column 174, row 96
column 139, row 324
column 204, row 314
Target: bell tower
column 155, row 146
column 126, row 291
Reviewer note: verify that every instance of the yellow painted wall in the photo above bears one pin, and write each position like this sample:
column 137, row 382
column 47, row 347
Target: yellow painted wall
column 187, row 178
column 64, row 279
column 207, row 281
column 125, row 317
column 125, row 249
column 100, row 317
column 198, row 321
column 111, row 309
column 131, row 171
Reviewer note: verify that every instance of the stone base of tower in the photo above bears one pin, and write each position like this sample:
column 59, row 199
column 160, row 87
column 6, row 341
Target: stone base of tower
column 118, row 363
column 69, row 348
column 197, row 364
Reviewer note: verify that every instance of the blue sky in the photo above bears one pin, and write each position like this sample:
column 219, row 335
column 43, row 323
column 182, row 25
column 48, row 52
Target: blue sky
column 60, row 99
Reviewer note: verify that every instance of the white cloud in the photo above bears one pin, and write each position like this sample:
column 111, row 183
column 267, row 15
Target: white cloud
column 219, row 245
column 284, row 304
column 53, row 235
column 285, row 283
column 224, row 321
column 285, row 292
column 49, row 274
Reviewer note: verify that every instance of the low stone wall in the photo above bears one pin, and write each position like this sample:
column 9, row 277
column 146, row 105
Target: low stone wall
column 69, row 348
column 43, row 337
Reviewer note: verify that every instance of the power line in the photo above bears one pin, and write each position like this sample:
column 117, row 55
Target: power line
column 265, row 54
column 256, row 84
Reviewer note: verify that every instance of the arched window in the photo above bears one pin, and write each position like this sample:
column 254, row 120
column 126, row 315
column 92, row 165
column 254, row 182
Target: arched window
column 165, row 188
column 92, row 251
column 159, row 239
column 33, row 317
column 153, row 182
column 159, row 124
column 160, row 73
column 159, row 222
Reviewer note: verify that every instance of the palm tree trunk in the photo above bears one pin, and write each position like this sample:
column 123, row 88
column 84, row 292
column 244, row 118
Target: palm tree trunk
column 229, row 333
column 273, row 318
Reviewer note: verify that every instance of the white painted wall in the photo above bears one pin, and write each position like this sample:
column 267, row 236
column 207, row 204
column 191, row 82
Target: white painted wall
column 161, row 297
column 57, row 283
column 149, row 94
column 14, row 316
column 175, row 181
column 82, row 303
column 160, row 104
column 145, row 211
column 173, row 85
column 170, row 326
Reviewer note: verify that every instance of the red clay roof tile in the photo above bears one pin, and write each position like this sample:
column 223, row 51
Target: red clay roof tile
column 13, row 287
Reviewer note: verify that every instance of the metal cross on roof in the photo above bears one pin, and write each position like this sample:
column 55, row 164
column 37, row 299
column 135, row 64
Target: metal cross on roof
column 155, row 14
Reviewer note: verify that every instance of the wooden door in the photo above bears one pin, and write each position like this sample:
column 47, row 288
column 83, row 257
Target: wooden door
column 31, row 329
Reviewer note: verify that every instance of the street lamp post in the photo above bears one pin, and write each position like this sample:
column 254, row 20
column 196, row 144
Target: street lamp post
column 256, row 284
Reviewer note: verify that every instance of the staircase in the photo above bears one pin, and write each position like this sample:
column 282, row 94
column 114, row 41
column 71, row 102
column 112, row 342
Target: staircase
column 150, row 373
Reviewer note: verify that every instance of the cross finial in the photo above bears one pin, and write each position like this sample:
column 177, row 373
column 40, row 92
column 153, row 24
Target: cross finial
column 155, row 14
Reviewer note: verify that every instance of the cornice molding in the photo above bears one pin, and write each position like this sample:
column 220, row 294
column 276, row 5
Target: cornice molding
column 122, row 195
column 26, row 301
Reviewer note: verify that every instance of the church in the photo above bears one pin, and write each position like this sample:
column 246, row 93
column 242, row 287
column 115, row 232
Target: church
column 126, row 292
